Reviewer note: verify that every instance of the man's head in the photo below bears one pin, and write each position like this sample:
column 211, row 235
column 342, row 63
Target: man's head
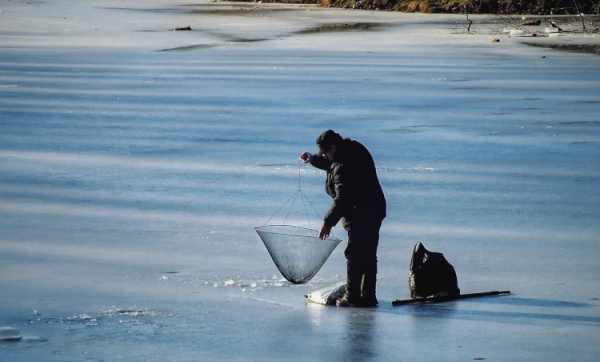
column 328, row 141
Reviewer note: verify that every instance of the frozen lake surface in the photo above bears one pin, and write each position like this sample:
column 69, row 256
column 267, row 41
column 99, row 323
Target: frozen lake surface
column 135, row 162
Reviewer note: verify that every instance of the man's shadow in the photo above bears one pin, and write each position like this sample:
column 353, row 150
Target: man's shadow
column 360, row 341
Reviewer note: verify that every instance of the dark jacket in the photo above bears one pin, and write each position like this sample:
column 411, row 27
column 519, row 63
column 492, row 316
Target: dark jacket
column 353, row 184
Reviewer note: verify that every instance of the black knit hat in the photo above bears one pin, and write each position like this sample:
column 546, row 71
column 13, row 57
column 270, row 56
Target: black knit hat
column 326, row 139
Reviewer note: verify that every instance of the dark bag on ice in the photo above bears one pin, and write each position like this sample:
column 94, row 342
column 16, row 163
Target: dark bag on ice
column 430, row 274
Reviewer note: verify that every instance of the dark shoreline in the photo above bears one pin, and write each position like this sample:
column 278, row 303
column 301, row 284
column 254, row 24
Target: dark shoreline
column 481, row 7
column 573, row 48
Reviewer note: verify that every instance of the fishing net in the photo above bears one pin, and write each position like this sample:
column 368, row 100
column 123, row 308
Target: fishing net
column 297, row 252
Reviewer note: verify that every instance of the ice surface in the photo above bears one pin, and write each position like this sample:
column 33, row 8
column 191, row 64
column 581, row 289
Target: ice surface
column 135, row 162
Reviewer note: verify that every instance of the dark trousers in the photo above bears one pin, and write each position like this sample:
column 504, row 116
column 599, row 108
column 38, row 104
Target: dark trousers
column 361, row 256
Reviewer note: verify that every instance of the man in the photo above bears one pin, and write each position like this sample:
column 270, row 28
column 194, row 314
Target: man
column 357, row 199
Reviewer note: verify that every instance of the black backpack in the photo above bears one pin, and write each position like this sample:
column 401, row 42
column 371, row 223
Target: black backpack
column 430, row 274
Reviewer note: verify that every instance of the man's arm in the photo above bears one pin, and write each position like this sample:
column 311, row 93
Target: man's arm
column 322, row 163
column 342, row 199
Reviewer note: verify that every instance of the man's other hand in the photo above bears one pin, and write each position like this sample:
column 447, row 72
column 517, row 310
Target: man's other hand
column 324, row 232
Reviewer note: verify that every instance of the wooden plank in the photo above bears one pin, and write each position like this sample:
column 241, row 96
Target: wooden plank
column 447, row 298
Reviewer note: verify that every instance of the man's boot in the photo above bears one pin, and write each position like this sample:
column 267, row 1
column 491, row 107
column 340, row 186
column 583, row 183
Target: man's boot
column 369, row 285
column 352, row 296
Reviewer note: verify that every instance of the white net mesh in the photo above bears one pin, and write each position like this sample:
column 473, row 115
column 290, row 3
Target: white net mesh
column 297, row 252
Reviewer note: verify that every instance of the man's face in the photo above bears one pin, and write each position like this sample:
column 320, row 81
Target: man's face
column 329, row 154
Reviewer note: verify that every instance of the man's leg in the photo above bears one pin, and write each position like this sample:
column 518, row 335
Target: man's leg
column 369, row 285
column 354, row 273
column 361, row 256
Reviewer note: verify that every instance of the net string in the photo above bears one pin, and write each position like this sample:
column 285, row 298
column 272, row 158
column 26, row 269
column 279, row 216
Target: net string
column 303, row 198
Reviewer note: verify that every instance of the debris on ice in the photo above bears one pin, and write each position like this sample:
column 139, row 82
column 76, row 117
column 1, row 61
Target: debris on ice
column 9, row 334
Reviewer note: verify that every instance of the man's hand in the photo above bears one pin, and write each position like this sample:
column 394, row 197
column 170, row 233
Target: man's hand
column 306, row 157
column 324, row 232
